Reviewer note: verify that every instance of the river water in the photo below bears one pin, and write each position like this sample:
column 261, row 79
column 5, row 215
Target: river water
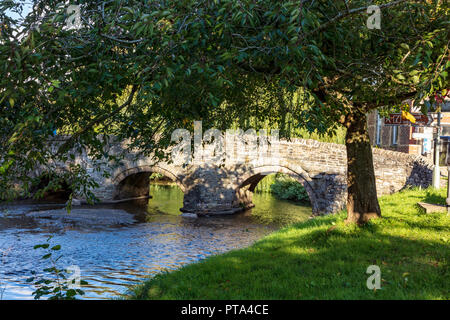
column 115, row 247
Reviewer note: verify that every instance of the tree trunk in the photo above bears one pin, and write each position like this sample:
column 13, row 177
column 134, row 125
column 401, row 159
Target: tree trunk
column 362, row 201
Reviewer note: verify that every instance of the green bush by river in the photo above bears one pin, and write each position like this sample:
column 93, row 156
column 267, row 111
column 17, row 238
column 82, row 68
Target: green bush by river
column 283, row 187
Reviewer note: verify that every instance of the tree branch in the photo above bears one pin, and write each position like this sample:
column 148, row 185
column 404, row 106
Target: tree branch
column 345, row 14
column 97, row 120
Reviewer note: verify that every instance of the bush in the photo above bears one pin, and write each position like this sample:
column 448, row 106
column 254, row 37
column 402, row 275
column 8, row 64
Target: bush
column 286, row 188
column 157, row 176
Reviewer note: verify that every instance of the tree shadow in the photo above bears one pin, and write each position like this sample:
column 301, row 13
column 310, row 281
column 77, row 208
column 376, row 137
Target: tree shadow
column 321, row 263
column 434, row 197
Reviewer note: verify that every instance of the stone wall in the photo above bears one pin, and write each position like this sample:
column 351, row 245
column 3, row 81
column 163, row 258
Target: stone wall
column 226, row 187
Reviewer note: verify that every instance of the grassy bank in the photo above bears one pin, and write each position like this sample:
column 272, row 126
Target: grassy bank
column 325, row 259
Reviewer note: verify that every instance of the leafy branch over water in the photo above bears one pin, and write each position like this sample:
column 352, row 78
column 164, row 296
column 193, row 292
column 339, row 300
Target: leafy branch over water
column 55, row 283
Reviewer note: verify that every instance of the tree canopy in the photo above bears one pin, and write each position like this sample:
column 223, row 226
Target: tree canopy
column 140, row 69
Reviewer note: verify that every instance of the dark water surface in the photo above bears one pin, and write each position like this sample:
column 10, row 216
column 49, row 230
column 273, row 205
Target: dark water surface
column 118, row 246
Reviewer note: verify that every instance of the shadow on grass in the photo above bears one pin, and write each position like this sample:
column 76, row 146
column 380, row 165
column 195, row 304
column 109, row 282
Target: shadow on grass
column 434, row 198
column 325, row 259
column 320, row 264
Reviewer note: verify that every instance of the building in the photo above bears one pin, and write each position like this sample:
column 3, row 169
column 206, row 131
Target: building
column 410, row 138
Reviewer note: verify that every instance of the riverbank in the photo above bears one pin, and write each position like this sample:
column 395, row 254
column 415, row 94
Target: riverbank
column 324, row 258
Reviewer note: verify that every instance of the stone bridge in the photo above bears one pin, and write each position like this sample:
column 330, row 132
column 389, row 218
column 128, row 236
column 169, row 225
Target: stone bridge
column 226, row 186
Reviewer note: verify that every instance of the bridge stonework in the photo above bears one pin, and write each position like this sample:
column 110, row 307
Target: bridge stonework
column 227, row 187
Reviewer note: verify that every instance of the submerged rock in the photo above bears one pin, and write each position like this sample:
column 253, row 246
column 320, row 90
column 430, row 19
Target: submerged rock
column 189, row 215
column 75, row 202
column 83, row 217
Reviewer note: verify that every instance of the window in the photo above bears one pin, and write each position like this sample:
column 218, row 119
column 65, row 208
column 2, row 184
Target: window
column 445, row 130
column 378, row 134
column 394, row 135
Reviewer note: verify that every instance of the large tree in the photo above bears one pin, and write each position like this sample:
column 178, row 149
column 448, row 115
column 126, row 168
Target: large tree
column 139, row 69
column 327, row 49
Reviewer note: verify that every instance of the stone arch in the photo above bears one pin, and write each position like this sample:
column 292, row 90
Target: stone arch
column 254, row 175
column 134, row 182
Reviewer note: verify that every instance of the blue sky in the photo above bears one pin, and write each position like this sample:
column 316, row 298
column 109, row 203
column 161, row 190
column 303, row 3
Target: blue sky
column 26, row 9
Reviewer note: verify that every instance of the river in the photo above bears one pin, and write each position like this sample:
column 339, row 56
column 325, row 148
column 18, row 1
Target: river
column 117, row 246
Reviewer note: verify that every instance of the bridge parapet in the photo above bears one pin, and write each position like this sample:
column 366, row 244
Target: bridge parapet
column 226, row 186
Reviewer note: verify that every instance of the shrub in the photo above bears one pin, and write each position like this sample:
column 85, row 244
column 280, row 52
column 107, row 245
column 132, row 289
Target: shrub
column 286, row 188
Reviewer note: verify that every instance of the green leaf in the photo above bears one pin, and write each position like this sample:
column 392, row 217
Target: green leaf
column 405, row 46
column 45, row 246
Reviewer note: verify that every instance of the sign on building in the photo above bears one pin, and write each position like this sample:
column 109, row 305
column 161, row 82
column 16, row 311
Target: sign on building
column 396, row 119
column 422, row 135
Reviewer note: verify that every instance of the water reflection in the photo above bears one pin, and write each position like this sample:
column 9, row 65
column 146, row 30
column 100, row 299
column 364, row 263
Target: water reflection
column 270, row 210
column 166, row 199
column 113, row 257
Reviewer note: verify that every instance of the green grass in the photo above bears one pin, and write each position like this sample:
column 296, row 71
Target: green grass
column 324, row 258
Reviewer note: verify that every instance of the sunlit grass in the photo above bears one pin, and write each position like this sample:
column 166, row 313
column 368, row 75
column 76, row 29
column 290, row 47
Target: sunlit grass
column 324, row 258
